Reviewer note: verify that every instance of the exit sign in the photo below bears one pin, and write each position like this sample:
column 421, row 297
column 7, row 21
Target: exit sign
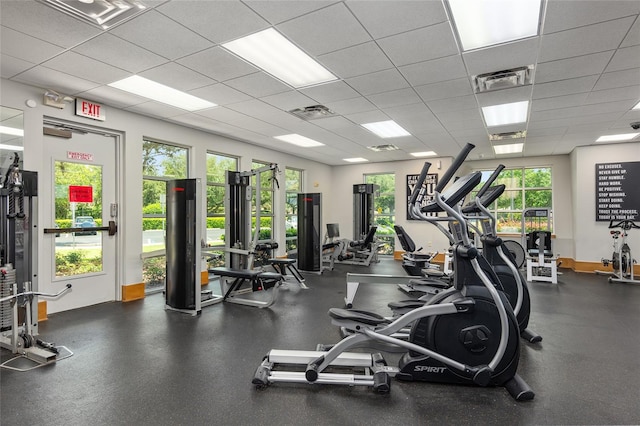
column 93, row 110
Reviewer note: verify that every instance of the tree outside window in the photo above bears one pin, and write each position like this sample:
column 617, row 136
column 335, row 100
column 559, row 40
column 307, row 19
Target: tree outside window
column 385, row 209
column 217, row 166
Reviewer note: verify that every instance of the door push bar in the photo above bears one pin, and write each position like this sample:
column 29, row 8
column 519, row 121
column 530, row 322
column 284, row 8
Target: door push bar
column 112, row 229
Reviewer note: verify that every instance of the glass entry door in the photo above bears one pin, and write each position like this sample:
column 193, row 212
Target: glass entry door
column 78, row 199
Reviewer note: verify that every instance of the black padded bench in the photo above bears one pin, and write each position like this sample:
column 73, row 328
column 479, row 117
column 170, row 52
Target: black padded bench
column 257, row 279
column 282, row 265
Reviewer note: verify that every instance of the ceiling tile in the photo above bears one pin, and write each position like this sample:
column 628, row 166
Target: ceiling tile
column 610, row 80
column 156, row 109
column 277, row 11
column 584, row 40
column 86, row 68
column 113, row 97
column 11, row 67
column 351, row 106
column 573, row 67
column 258, row 85
column 445, row 89
column 25, row 47
column 562, row 14
column 45, row 23
column 443, row 69
column 220, row 94
column 287, row 101
column 218, row 64
column 625, row 58
column 558, row 102
column 377, row 82
column 211, row 19
column 453, row 104
column 420, row 45
column 395, row 98
column 367, row 117
column 119, row 53
column 330, row 92
column 505, row 96
column 502, row 57
column 177, row 76
column 51, row 79
column 564, row 87
column 356, row 60
column 385, row 18
column 617, row 94
column 338, row 29
column 633, row 37
column 161, row 35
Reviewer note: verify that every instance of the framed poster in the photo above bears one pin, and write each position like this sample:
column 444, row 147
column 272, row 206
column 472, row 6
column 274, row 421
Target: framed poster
column 429, row 185
column 617, row 194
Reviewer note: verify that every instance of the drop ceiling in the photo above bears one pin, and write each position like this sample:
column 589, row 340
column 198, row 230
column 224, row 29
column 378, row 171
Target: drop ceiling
column 395, row 60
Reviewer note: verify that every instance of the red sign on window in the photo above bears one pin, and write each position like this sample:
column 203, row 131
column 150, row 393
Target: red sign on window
column 80, row 194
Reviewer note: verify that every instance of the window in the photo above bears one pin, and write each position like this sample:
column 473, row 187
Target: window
column 266, row 199
column 217, row 166
column 385, row 209
column 293, row 185
column 160, row 162
column 526, row 187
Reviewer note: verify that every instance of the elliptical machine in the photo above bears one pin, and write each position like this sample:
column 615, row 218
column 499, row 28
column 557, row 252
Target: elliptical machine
column 467, row 334
column 621, row 260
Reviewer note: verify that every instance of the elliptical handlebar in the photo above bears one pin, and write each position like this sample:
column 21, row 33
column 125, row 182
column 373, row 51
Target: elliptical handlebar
column 624, row 224
column 457, row 162
column 490, row 181
column 416, row 191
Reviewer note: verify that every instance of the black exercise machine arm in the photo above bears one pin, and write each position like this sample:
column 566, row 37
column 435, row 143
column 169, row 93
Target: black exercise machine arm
column 490, row 181
column 417, row 194
column 457, row 162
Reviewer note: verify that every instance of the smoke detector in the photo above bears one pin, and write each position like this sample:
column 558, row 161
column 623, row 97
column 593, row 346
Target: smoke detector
column 505, row 79
column 386, row 147
column 508, row 135
column 313, row 112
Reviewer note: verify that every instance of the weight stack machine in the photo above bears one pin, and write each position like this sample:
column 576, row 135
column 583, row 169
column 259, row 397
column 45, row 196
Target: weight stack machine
column 363, row 208
column 309, row 232
column 182, row 291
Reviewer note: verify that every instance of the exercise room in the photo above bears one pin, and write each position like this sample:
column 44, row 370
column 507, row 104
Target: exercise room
column 317, row 212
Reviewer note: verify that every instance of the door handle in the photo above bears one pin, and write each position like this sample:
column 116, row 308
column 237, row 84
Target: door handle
column 112, row 229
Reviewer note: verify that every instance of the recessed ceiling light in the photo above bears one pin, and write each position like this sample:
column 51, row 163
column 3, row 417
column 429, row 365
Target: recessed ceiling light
column 299, row 140
column 637, row 106
column 617, row 138
column 11, row 147
column 489, row 22
column 11, row 131
column 424, row 154
column 355, row 160
column 386, row 129
column 512, row 148
column 272, row 52
column 500, row 115
column 159, row 92
column 104, row 13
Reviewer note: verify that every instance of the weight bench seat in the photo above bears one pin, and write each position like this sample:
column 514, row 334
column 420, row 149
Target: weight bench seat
column 259, row 280
column 282, row 265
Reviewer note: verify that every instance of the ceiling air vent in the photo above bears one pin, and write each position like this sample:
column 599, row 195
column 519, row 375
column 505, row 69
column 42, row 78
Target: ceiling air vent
column 380, row 148
column 313, row 112
column 502, row 79
column 508, row 135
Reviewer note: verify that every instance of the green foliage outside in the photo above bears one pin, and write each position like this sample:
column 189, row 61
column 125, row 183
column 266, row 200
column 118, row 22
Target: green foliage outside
column 76, row 262
column 154, row 271
column 66, row 174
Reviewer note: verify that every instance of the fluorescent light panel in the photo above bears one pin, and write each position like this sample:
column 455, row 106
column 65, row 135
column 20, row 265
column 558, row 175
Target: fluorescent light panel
column 424, row 154
column 637, row 106
column 11, row 147
column 355, row 160
column 11, row 131
column 299, row 140
column 482, row 23
column 617, row 138
column 272, row 52
column 500, row 115
column 159, row 92
column 386, row 129
column 512, row 148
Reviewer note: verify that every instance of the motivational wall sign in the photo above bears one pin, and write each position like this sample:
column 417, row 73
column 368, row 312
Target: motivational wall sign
column 429, row 184
column 617, row 191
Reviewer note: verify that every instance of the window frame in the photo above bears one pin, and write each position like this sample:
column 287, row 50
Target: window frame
column 291, row 241
column 215, row 184
column 387, row 237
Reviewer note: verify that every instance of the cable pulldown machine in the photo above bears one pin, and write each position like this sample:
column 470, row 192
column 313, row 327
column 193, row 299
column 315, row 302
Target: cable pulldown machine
column 542, row 265
column 18, row 272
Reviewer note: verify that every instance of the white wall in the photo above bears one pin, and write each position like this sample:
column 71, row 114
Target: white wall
column 592, row 240
column 135, row 127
